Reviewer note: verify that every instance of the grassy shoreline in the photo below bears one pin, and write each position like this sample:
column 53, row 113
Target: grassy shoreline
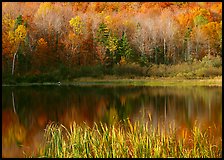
column 137, row 81
column 127, row 141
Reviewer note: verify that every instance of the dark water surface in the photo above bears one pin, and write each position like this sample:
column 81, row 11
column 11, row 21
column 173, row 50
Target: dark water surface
column 27, row 110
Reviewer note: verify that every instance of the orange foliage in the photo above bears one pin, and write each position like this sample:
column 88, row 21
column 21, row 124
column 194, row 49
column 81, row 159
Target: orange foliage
column 49, row 31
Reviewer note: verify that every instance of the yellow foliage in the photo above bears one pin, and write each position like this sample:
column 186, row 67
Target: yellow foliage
column 184, row 19
column 77, row 24
column 8, row 22
column 108, row 20
column 201, row 12
column 217, row 7
column 44, row 8
column 11, row 37
column 220, row 30
column 20, row 133
column 126, row 23
column 7, row 30
column 122, row 61
column 8, row 38
column 20, row 33
column 211, row 27
column 112, row 43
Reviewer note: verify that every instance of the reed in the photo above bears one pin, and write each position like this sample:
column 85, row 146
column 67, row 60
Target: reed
column 127, row 140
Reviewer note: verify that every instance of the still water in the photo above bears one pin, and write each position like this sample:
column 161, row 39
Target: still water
column 27, row 110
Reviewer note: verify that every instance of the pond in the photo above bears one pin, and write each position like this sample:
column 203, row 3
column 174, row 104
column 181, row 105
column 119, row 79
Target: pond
column 27, row 110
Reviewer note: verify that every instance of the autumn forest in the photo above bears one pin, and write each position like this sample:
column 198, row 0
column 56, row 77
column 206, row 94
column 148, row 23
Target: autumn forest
column 39, row 38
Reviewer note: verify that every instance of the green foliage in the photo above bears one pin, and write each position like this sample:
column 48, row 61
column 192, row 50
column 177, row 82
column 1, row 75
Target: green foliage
column 211, row 61
column 143, row 60
column 103, row 34
column 124, row 49
column 115, row 47
column 18, row 21
column 200, row 20
column 187, row 34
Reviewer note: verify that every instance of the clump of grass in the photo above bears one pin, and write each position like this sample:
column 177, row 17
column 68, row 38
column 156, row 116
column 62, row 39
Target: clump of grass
column 126, row 140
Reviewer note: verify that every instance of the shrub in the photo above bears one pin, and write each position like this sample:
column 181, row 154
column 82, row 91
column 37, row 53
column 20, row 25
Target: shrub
column 129, row 69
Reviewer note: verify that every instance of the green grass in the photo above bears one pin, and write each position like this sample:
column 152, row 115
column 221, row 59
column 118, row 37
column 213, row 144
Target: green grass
column 137, row 81
column 127, row 140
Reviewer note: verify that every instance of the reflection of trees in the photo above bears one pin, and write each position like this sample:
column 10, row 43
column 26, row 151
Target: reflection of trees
column 90, row 104
column 33, row 102
column 13, row 132
column 36, row 106
column 13, row 102
column 183, row 105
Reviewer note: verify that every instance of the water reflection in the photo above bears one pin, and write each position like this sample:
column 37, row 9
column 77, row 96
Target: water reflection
column 27, row 110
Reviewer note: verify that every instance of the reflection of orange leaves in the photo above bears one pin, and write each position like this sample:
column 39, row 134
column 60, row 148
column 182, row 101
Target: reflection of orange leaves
column 123, row 100
column 20, row 133
column 76, row 114
column 42, row 119
column 12, row 130
column 183, row 133
column 8, row 117
column 101, row 107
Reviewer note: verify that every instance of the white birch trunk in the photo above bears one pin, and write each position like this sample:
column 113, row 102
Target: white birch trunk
column 164, row 48
column 14, row 59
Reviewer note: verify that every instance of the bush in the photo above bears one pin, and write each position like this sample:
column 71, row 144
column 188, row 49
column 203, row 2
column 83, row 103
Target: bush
column 128, row 69
column 211, row 61
column 88, row 71
column 213, row 72
column 217, row 62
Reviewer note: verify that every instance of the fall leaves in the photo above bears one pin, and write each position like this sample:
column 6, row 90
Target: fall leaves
column 17, row 36
column 75, row 34
column 77, row 25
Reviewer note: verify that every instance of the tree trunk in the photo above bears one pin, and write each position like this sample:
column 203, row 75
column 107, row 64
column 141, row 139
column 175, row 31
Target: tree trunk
column 14, row 59
column 209, row 50
column 164, row 49
column 188, row 50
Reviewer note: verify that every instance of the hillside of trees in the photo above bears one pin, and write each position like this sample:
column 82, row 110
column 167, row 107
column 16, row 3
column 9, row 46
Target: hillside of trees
column 64, row 40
